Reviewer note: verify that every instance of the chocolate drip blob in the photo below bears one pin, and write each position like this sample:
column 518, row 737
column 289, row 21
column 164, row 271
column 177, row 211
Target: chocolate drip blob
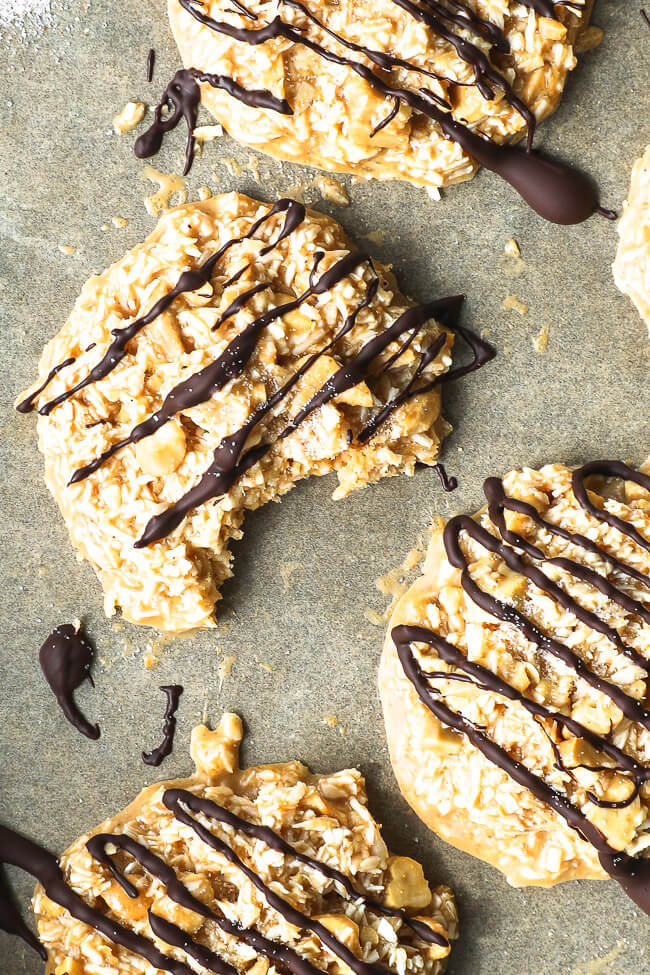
column 65, row 659
column 632, row 873
column 155, row 757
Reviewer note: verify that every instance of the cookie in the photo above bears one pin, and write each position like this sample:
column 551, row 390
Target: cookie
column 390, row 89
column 632, row 264
column 239, row 870
column 514, row 678
column 240, row 348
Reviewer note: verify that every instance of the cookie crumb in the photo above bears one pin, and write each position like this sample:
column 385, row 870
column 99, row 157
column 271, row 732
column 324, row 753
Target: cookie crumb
column 207, row 133
column 119, row 222
column 130, row 116
column 331, row 720
column 204, row 193
column 169, row 185
column 512, row 303
column 287, row 569
column 373, row 617
column 253, row 168
column 540, row 341
column 67, row 249
column 232, row 166
column 267, row 667
column 588, row 39
column 225, row 667
column 331, row 190
column 512, row 248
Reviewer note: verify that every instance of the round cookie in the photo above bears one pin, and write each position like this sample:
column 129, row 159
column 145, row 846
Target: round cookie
column 389, row 89
column 240, row 348
column 515, row 673
column 632, row 264
column 258, row 870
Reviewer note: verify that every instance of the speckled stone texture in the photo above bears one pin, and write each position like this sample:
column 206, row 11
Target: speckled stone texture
column 306, row 569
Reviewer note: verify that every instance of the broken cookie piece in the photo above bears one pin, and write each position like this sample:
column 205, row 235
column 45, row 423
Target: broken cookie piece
column 260, row 870
column 240, row 348
column 515, row 673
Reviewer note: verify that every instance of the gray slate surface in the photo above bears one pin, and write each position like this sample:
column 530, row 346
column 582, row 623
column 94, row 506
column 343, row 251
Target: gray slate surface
column 62, row 175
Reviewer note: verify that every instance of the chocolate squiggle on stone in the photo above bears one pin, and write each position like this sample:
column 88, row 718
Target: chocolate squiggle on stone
column 632, row 873
column 173, row 694
column 557, row 192
column 20, row 852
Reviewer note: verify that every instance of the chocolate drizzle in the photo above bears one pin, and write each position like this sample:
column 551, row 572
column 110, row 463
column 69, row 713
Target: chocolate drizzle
column 65, row 659
column 189, row 281
column 632, row 873
column 182, row 97
column 173, row 694
column 151, row 61
column 557, row 192
column 16, row 850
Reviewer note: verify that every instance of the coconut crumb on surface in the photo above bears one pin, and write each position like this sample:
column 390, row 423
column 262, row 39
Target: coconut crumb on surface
column 203, row 193
column 67, row 249
column 207, row 133
column 540, row 341
column 512, row 303
column 130, row 116
column 332, row 190
column 119, row 222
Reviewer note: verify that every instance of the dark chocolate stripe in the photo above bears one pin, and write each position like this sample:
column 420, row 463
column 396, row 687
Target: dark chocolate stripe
column 633, row 874
column 229, row 463
column 610, row 468
column 630, row 706
column 189, row 281
column 178, row 892
column 176, row 798
column 559, row 193
column 176, row 802
column 182, row 98
column 43, row 866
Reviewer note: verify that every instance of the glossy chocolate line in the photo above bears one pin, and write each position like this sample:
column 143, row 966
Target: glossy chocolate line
column 173, row 694
column 449, row 482
column 27, row 405
column 277, row 903
column 498, row 502
column 645, row 17
column 633, row 874
column 173, row 799
column 65, row 659
column 557, row 192
column 229, row 464
column 178, row 892
column 43, row 866
column 630, row 706
column 487, row 680
column 482, row 353
column 151, row 61
column 496, row 498
column 183, row 97
column 189, row 281
column 610, row 468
